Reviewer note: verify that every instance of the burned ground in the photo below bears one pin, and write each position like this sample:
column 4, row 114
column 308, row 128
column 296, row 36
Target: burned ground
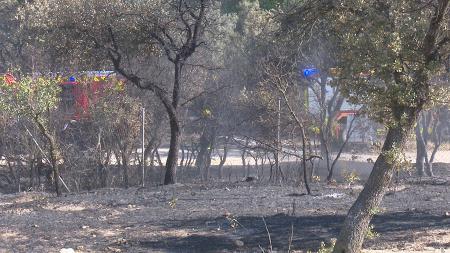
column 222, row 217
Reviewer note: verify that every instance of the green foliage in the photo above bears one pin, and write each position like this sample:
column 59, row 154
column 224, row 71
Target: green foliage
column 316, row 178
column 351, row 177
column 30, row 96
column 232, row 221
column 117, row 113
column 397, row 158
column 173, row 202
column 270, row 4
column 378, row 48
column 384, row 59
column 371, row 233
column 206, row 112
column 375, row 211
column 314, row 129
column 234, row 6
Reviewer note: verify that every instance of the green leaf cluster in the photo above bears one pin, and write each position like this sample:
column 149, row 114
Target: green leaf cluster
column 29, row 96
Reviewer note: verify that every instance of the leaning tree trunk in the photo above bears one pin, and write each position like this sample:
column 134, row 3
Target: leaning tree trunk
column 352, row 234
column 437, row 141
column 421, row 152
column 429, row 167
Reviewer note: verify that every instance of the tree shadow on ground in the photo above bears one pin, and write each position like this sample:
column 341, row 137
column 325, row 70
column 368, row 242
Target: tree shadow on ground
column 308, row 232
column 192, row 243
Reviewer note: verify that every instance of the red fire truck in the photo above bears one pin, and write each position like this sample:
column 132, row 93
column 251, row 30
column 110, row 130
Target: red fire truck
column 83, row 89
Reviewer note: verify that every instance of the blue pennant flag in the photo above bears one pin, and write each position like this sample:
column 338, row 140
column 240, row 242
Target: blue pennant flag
column 307, row 73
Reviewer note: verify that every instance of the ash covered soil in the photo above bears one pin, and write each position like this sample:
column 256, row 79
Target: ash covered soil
column 224, row 217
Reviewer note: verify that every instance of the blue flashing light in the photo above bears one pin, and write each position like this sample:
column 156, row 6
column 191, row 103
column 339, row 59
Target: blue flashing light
column 72, row 79
column 310, row 72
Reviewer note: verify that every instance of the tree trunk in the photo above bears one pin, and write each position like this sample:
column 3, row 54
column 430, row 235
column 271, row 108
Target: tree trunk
column 193, row 154
column 55, row 167
column 305, row 175
column 32, row 172
column 325, row 150
column 53, row 152
column 208, row 164
column 352, row 234
column 182, row 157
column 175, row 128
column 158, row 158
column 421, row 152
column 223, row 159
column 341, row 149
column 429, row 167
column 437, row 131
column 125, row 168
column 172, row 157
column 243, row 160
column 206, row 146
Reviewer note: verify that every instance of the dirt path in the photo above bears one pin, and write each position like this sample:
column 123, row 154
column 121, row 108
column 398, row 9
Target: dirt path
column 221, row 217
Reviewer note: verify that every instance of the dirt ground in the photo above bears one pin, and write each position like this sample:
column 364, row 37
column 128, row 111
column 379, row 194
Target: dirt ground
column 223, row 217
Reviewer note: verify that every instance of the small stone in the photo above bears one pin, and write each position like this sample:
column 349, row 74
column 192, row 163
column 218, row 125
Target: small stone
column 114, row 250
column 35, row 226
column 80, row 248
column 66, row 250
column 121, row 241
column 238, row 243
column 447, row 214
column 84, row 227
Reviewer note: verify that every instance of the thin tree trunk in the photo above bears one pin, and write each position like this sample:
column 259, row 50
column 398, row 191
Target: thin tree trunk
column 56, row 176
column 125, row 168
column 201, row 161
column 429, row 166
column 172, row 158
column 437, row 141
column 182, row 157
column 243, row 160
column 32, row 172
column 304, row 141
column 193, row 155
column 421, row 151
column 158, row 158
column 212, row 141
column 175, row 129
column 305, row 174
column 338, row 155
column 53, row 152
column 223, row 159
column 325, row 150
